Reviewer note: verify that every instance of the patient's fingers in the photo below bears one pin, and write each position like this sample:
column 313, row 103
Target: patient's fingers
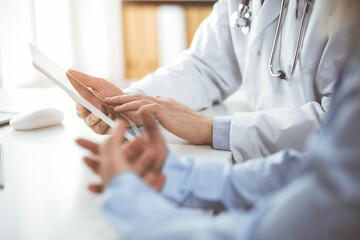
column 143, row 163
column 96, row 188
column 92, row 164
column 158, row 182
column 151, row 128
column 89, row 145
column 155, row 180
column 118, row 135
column 134, row 148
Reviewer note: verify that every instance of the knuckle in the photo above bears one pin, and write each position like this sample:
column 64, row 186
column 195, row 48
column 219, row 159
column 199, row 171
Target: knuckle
column 81, row 111
column 93, row 117
column 156, row 107
column 160, row 97
column 102, row 128
column 80, row 114
column 166, row 100
column 137, row 95
column 79, row 106
column 144, row 109
column 144, row 102
column 89, row 121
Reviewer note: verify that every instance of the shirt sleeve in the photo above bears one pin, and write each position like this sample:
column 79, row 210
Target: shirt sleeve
column 262, row 133
column 196, row 182
column 209, row 68
column 137, row 212
column 133, row 91
column 221, row 133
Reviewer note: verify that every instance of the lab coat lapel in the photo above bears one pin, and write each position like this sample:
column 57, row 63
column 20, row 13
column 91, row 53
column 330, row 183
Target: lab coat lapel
column 268, row 12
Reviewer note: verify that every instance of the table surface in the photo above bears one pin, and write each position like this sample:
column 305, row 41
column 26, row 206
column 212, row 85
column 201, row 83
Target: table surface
column 45, row 195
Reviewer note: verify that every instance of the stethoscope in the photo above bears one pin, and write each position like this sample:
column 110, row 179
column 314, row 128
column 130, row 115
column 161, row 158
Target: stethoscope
column 241, row 18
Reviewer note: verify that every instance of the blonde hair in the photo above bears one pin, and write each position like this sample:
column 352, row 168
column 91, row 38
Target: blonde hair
column 347, row 22
column 348, row 15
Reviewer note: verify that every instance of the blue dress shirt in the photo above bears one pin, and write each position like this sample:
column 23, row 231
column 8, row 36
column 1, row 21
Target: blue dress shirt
column 314, row 195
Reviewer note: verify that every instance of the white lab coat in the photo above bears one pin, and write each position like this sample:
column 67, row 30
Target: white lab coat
column 220, row 59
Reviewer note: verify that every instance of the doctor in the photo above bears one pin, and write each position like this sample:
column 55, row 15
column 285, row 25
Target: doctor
column 289, row 195
column 285, row 65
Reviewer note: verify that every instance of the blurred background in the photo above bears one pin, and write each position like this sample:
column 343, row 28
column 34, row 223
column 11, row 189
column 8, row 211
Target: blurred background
column 120, row 40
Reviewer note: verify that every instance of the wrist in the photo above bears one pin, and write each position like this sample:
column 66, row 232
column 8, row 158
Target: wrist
column 113, row 172
column 207, row 130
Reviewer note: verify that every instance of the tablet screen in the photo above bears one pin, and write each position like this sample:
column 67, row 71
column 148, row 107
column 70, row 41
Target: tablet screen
column 87, row 97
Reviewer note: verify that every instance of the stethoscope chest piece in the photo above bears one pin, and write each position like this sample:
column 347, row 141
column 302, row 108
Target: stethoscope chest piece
column 241, row 18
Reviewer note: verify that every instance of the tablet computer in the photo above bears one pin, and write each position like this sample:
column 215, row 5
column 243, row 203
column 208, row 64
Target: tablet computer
column 77, row 90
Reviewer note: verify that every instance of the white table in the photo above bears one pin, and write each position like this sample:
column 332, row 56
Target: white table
column 45, row 195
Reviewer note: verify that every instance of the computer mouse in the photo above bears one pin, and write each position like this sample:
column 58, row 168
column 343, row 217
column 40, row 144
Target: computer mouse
column 37, row 119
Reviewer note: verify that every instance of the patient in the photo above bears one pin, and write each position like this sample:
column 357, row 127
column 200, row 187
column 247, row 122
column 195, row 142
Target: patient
column 149, row 193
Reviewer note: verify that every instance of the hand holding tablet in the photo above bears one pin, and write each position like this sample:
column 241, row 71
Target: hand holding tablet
column 86, row 96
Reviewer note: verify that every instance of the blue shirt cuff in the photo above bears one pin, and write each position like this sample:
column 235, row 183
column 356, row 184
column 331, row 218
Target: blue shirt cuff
column 134, row 91
column 175, row 171
column 221, row 132
column 127, row 181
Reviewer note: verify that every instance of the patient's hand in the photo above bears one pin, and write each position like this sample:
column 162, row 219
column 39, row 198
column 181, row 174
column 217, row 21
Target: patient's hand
column 173, row 116
column 144, row 155
column 104, row 89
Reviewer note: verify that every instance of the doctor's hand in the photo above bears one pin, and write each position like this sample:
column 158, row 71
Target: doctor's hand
column 144, row 156
column 173, row 116
column 104, row 89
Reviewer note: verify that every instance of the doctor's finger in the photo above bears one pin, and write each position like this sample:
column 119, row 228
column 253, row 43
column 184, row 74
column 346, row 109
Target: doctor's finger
column 91, row 119
column 100, row 128
column 89, row 145
column 121, row 99
column 132, row 106
column 92, row 164
column 90, row 81
column 81, row 111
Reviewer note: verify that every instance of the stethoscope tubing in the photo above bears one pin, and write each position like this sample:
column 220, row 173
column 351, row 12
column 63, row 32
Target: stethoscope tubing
column 281, row 74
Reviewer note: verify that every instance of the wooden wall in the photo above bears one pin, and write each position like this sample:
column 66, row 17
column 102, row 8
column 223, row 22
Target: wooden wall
column 140, row 32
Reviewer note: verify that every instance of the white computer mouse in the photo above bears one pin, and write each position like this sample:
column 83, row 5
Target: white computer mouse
column 37, row 119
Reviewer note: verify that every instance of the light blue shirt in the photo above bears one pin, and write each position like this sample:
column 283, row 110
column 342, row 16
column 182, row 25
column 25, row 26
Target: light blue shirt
column 221, row 132
column 315, row 195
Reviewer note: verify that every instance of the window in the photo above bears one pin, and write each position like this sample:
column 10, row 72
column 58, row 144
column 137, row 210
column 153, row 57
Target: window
column 76, row 34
